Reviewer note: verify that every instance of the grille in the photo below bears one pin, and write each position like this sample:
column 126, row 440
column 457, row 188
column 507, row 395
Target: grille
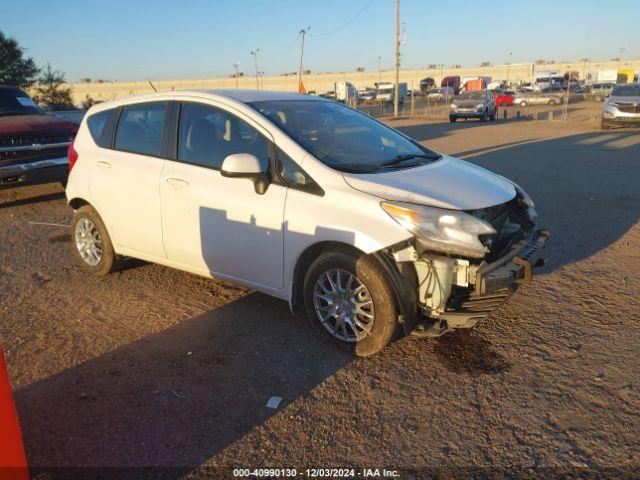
column 628, row 107
column 12, row 157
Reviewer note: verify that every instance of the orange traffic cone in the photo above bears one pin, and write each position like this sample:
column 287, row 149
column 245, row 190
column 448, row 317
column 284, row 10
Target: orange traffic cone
column 13, row 463
column 301, row 88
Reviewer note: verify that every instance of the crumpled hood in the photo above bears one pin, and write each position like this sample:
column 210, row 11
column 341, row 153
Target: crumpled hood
column 447, row 183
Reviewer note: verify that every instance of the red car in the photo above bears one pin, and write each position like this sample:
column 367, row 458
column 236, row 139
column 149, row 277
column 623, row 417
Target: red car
column 504, row 100
column 33, row 145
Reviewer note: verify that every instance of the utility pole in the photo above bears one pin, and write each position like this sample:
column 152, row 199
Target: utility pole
column 379, row 71
column 255, row 62
column 236, row 65
column 622, row 49
column 396, row 93
column 509, row 68
column 303, row 32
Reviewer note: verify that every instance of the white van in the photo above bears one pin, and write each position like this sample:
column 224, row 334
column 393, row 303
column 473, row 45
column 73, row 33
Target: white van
column 305, row 199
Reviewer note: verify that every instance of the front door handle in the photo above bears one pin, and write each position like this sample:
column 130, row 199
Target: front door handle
column 102, row 164
column 177, row 182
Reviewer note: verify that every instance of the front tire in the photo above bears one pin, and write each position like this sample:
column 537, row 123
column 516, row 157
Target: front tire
column 452, row 119
column 348, row 299
column 91, row 242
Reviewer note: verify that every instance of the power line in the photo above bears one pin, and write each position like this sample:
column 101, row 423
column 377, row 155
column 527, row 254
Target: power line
column 348, row 22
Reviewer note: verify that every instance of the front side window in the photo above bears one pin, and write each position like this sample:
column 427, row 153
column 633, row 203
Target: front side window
column 140, row 128
column 293, row 175
column 207, row 135
column 343, row 138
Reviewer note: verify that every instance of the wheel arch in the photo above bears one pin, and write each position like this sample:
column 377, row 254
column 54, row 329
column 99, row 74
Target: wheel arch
column 78, row 202
column 401, row 276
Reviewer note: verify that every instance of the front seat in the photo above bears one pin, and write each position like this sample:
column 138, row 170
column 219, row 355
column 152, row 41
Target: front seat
column 203, row 144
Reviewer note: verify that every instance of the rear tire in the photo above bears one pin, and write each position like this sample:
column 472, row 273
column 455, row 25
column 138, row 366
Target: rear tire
column 340, row 271
column 452, row 119
column 552, row 102
column 91, row 242
column 523, row 104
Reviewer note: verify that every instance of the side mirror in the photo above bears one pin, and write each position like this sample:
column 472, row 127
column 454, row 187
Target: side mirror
column 245, row 165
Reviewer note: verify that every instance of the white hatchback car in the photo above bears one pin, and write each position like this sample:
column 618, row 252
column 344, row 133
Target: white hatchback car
column 304, row 199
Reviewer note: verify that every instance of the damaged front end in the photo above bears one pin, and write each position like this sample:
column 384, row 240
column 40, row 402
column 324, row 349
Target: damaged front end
column 456, row 290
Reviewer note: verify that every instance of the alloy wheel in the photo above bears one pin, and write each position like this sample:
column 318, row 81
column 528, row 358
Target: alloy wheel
column 343, row 305
column 88, row 241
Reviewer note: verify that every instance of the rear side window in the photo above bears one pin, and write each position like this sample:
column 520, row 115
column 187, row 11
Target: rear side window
column 207, row 135
column 140, row 128
column 101, row 127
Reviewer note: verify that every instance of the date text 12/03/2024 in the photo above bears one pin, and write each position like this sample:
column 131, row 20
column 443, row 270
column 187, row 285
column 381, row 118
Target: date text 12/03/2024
column 316, row 472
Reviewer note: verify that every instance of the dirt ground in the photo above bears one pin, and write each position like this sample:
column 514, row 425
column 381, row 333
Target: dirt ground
column 154, row 367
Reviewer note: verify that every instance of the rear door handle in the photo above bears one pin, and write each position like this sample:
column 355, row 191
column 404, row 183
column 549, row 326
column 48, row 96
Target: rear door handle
column 177, row 182
column 102, row 164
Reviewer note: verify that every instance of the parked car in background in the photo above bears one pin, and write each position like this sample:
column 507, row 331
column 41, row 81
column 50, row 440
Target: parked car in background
column 33, row 145
column 367, row 94
column 600, row 91
column 453, row 82
column 442, row 93
column 364, row 229
column 386, row 92
column 622, row 108
column 524, row 99
column 503, row 100
column 473, row 104
column 426, row 85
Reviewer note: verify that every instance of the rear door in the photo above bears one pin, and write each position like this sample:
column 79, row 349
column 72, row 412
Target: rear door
column 124, row 180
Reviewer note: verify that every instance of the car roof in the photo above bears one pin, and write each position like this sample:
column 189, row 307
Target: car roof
column 246, row 96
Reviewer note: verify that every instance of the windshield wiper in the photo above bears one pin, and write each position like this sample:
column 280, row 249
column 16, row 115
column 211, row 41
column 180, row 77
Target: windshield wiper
column 398, row 159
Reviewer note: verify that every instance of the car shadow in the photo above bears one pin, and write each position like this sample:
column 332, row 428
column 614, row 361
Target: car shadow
column 31, row 200
column 177, row 397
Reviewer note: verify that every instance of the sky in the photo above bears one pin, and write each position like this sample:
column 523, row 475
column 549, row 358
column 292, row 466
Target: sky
column 180, row 39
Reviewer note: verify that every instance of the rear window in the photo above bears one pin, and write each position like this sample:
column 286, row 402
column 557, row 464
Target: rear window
column 140, row 128
column 101, row 127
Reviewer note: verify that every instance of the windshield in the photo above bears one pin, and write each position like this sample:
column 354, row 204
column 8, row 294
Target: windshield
column 476, row 95
column 16, row 102
column 632, row 90
column 343, row 138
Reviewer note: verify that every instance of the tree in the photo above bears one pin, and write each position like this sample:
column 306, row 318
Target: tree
column 50, row 92
column 15, row 69
column 88, row 102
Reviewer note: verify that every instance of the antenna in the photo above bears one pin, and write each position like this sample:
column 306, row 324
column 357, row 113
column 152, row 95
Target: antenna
column 154, row 88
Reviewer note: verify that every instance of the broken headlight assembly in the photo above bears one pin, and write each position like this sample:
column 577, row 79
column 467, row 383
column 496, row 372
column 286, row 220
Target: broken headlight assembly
column 446, row 231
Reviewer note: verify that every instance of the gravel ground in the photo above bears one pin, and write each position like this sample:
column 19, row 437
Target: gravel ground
column 155, row 367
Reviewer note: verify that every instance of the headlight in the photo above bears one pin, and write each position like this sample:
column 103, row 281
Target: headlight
column 454, row 106
column 480, row 106
column 446, row 231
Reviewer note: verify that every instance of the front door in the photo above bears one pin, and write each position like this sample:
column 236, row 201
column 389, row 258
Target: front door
column 214, row 224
